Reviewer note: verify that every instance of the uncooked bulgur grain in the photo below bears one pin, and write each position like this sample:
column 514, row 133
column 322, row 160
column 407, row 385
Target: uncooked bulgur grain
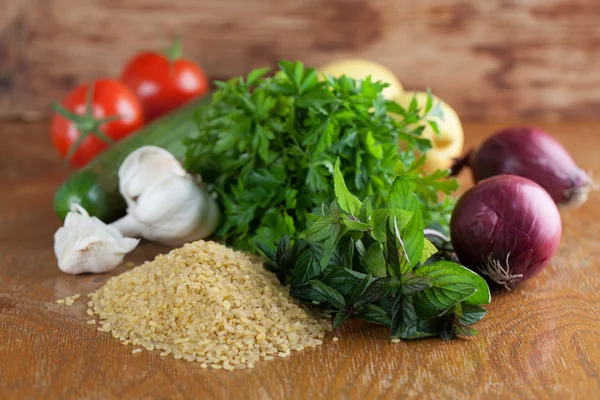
column 68, row 301
column 207, row 303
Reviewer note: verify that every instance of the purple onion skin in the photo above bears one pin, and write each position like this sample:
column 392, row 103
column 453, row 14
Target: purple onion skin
column 533, row 154
column 506, row 219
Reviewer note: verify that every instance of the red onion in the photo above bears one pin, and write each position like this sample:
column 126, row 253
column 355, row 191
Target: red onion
column 506, row 227
column 533, row 154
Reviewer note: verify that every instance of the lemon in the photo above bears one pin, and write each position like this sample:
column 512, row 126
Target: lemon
column 448, row 145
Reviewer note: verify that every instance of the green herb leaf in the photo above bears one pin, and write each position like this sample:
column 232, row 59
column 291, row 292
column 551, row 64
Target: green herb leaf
column 330, row 294
column 307, row 267
column 471, row 314
column 401, row 196
column 374, row 260
column 380, row 217
column 361, row 288
column 410, row 328
column 442, row 269
column 397, row 320
column 412, row 284
column 464, row 330
column 342, row 280
column 354, row 225
column 330, row 243
column 254, row 75
column 375, row 315
column 449, row 286
column 321, row 229
column 347, row 201
column 380, row 289
column 342, row 315
column 429, row 249
column 290, row 158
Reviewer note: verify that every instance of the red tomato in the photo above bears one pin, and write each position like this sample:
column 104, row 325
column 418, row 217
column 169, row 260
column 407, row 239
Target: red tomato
column 112, row 112
column 164, row 83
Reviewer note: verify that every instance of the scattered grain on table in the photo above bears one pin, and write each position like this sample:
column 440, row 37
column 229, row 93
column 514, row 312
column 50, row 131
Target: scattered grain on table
column 68, row 301
column 207, row 303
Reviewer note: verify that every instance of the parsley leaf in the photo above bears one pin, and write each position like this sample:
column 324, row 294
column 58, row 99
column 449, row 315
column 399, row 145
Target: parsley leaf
column 268, row 145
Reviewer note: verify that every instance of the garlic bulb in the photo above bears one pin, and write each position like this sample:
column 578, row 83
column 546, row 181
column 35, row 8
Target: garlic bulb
column 86, row 244
column 164, row 203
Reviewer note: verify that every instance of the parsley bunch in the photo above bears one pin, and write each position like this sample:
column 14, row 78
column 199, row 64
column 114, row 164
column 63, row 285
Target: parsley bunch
column 374, row 263
column 267, row 146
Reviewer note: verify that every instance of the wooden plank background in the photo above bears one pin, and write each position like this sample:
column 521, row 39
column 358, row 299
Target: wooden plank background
column 492, row 59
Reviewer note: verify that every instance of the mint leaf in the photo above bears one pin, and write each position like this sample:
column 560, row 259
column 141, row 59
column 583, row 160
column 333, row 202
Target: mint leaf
column 374, row 314
column 380, row 217
column 471, row 314
column 347, row 254
column 342, row 280
column 320, row 230
column 366, row 209
column 306, row 268
column 374, row 260
column 464, row 330
column 401, row 196
column 361, row 288
column 380, row 289
column 412, row 284
column 354, row 225
column 330, row 243
column 446, row 268
column 429, row 249
column 347, row 201
column 334, row 297
column 405, row 264
column 448, row 287
column 342, row 315
column 414, row 238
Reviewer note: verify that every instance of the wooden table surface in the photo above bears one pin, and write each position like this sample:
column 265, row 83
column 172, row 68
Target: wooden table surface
column 541, row 340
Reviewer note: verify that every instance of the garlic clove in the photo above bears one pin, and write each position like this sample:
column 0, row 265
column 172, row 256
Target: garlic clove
column 86, row 244
column 175, row 211
column 144, row 167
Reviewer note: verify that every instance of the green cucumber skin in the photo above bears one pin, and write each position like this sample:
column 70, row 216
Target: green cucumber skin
column 96, row 186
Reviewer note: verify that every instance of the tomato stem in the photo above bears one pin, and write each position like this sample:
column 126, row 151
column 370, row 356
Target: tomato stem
column 175, row 52
column 89, row 100
column 86, row 124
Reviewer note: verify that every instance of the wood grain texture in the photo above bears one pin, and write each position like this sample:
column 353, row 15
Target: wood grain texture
column 488, row 59
column 541, row 340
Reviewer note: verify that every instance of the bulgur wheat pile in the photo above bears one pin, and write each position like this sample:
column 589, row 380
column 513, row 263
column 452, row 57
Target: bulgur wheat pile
column 207, row 303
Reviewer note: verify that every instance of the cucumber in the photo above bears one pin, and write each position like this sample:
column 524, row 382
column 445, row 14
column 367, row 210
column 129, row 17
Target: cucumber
column 96, row 186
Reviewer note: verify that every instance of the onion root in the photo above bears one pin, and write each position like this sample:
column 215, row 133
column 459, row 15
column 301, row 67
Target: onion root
column 499, row 273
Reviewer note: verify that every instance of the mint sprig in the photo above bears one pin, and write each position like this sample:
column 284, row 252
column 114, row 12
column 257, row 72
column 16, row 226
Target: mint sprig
column 375, row 264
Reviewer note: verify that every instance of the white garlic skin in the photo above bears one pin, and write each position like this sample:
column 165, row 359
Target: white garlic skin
column 165, row 204
column 86, row 244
